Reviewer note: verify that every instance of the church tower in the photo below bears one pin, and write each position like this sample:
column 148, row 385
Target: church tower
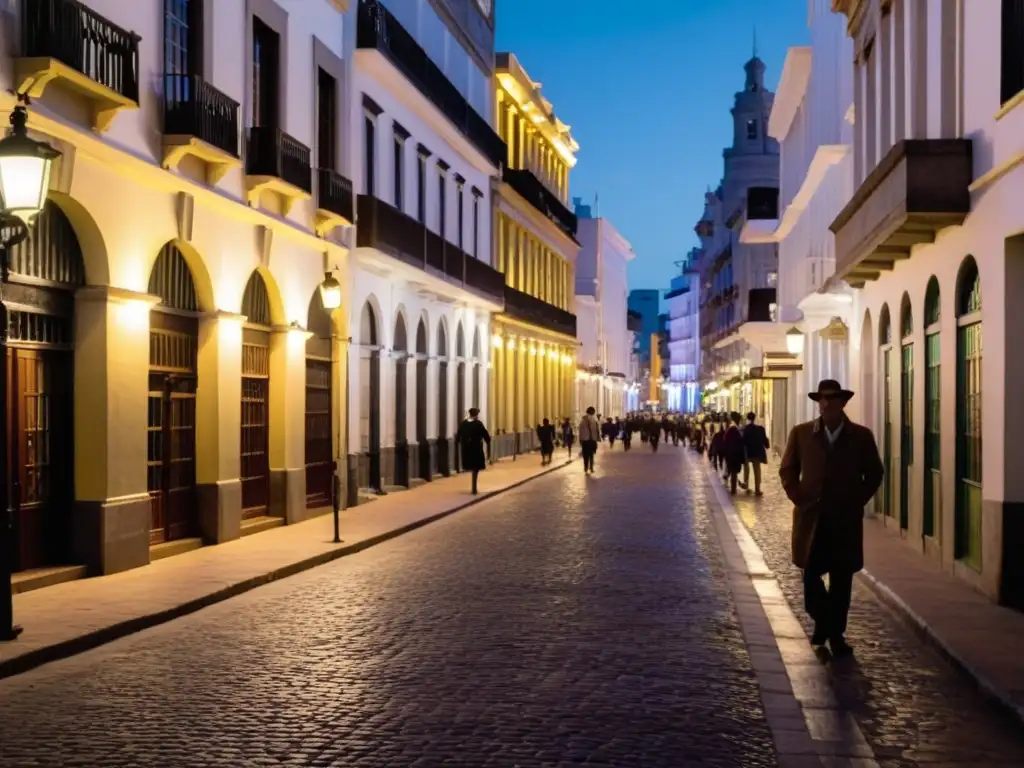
column 753, row 158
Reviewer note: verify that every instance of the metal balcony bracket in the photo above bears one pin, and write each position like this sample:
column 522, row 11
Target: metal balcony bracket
column 218, row 162
column 33, row 75
column 289, row 193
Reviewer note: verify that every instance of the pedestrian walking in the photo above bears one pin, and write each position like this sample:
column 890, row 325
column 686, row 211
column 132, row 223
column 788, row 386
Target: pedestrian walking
column 733, row 452
column 590, row 435
column 610, row 431
column 546, row 437
column 715, row 446
column 472, row 436
column 653, row 434
column 568, row 436
column 755, row 441
column 830, row 470
column 627, row 433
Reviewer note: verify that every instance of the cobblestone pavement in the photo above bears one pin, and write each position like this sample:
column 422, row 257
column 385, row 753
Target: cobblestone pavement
column 574, row 621
column 911, row 706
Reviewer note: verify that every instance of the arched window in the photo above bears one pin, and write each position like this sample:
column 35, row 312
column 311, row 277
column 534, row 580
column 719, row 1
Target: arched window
column 885, row 342
column 255, row 456
column 319, row 446
column 400, row 353
column 369, row 398
column 423, row 444
column 906, row 407
column 443, row 465
column 933, row 407
column 969, row 427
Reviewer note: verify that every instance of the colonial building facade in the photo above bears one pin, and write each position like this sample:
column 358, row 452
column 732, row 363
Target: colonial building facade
column 737, row 279
column 169, row 355
column 534, row 339
column 423, row 287
column 931, row 238
column 606, row 344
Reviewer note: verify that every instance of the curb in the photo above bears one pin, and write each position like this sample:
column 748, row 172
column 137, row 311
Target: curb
column 90, row 640
column 929, row 636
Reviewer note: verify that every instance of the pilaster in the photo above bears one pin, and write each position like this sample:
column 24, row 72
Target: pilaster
column 112, row 517
column 288, row 423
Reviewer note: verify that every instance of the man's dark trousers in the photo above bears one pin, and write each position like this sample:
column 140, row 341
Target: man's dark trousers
column 828, row 607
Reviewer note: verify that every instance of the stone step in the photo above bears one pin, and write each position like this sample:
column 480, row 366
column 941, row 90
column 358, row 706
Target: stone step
column 37, row 578
column 260, row 524
column 172, row 548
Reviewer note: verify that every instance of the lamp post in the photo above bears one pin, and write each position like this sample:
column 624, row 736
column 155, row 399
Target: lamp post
column 795, row 341
column 24, row 183
column 330, row 297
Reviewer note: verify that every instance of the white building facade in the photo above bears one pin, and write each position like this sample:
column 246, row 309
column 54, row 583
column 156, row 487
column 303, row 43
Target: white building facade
column 931, row 240
column 603, row 362
column 422, row 285
column 811, row 119
column 165, row 306
column 683, row 339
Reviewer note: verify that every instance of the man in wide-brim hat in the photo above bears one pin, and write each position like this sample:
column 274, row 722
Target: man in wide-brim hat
column 830, row 470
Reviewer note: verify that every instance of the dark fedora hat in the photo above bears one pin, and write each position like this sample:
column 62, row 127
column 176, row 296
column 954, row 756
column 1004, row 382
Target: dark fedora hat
column 830, row 388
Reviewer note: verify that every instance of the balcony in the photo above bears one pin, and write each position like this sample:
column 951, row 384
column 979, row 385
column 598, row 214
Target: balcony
column 523, row 306
column 920, row 187
column 377, row 29
column 401, row 237
column 62, row 41
column 275, row 162
column 201, row 122
column 759, row 305
column 335, row 204
column 540, row 197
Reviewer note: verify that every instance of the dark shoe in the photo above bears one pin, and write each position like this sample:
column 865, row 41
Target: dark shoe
column 759, row 492
column 820, row 636
column 840, row 647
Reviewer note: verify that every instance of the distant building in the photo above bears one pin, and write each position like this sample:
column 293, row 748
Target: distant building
column 682, row 341
column 645, row 302
column 601, row 314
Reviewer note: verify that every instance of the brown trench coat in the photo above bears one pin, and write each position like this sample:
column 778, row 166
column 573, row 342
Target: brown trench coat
column 829, row 487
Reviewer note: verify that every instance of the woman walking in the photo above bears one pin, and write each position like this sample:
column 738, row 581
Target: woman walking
column 546, row 436
column 590, row 435
column 472, row 436
column 568, row 436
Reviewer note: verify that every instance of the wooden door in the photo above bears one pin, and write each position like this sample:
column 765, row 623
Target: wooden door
column 255, row 423
column 40, row 446
column 171, row 438
column 319, row 461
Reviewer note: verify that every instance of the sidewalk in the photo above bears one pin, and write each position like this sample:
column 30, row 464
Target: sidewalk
column 69, row 618
column 977, row 636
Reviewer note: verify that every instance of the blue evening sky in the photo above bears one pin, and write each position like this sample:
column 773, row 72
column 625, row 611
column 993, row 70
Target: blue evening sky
column 647, row 88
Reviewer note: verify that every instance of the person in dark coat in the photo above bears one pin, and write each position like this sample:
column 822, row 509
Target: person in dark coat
column 472, row 436
column 733, row 452
column 830, row 470
column 653, row 434
column 755, row 441
column 715, row 446
column 568, row 436
column 628, row 427
column 546, row 436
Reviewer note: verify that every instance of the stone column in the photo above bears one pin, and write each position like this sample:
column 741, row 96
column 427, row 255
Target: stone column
column 288, row 423
column 112, row 516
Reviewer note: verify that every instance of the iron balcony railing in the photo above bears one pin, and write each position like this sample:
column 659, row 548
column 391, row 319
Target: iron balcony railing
column 334, row 193
column 272, row 152
column 79, row 37
column 193, row 107
column 540, row 197
column 390, row 231
column 530, row 309
column 378, row 29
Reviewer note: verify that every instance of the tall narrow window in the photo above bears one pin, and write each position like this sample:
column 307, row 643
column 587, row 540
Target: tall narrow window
column 327, row 120
column 266, row 47
column 460, row 216
column 183, row 37
column 932, row 410
column 398, row 162
column 477, row 194
column 421, row 183
column 442, row 197
column 1012, row 76
column 751, row 129
column 370, row 153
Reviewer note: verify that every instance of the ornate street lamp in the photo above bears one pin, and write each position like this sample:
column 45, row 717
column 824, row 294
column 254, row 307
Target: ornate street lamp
column 24, row 182
column 330, row 293
column 795, row 341
column 330, row 297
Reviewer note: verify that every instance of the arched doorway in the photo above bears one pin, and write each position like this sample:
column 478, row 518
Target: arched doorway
column 369, row 397
column 423, row 443
column 475, row 399
column 460, row 387
column 968, row 417
column 45, row 271
column 255, row 437
column 885, row 348
column 400, row 351
column 443, row 466
column 906, row 407
column 932, row 410
column 319, row 411
column 173, row 347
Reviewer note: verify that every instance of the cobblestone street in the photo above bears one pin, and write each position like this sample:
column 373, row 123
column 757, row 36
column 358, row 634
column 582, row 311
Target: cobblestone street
column 912, row 708
column 571, row 621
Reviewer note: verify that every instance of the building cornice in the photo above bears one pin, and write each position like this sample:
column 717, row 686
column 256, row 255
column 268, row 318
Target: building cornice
column 524, row 92
column 796, row 74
